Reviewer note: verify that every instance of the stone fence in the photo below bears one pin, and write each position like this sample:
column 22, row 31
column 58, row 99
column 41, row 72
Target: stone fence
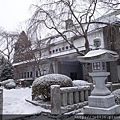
column 73, row 95
column 67, row 99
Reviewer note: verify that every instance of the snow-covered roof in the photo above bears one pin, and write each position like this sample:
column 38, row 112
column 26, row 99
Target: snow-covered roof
column 19, row 63
column 80, row 83
column 72, row 51
column 97, row 55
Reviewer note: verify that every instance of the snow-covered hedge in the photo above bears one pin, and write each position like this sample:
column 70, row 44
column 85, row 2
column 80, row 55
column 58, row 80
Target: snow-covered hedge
column 41, row 85
column 80, row 83
column 116, row 93
column 6, row 81
column 8, row 84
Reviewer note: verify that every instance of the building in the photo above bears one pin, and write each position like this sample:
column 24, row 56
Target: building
column 55, row 55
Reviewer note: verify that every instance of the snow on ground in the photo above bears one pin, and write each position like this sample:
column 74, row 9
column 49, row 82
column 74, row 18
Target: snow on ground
column 14, row 102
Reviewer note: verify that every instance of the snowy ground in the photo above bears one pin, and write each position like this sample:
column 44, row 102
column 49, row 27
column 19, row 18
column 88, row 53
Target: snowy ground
column 14, row 102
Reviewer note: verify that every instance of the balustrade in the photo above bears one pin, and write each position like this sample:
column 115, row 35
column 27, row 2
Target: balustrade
column 66, row 96
column 61, row 97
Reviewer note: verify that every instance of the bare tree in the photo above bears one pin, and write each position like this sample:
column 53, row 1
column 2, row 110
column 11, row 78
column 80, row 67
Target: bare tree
column 80, row 15
column 112, row 4
column 7, row 41
column 28, row 51
column 54, row 13
column 36, row 50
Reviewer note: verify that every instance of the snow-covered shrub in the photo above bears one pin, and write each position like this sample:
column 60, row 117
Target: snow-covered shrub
column 8, row 84
column 6, row 81
column 116, row 93
column 41, row 85
column 80, row 83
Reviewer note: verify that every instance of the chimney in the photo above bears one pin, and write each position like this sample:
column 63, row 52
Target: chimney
column 69, row 24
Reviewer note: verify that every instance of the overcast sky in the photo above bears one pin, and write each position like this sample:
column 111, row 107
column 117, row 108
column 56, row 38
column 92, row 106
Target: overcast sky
column 13, row 13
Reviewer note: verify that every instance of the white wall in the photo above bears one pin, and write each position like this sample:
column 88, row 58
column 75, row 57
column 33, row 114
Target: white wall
column 81, row 42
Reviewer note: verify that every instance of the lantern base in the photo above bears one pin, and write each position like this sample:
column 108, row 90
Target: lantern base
column 101, row 101
column 100, row 88
column 102, row 111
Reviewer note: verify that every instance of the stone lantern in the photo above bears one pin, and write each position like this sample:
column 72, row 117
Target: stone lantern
column 101, row 101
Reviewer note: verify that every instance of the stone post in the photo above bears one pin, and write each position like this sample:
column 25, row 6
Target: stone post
column 76, row 97
column 81, row 96
column 86, row 95
column 64, row 100
column 1, row 103
column 55, row 100
column 70, row 98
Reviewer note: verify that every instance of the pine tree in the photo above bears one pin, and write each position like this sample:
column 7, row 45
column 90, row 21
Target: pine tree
column 7, row 71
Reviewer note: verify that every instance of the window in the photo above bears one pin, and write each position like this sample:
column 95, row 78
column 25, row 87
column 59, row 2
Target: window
column 49, row 52
column 56, row 50
column 31, row 75
column 96, row 66
column 36, row 73
column 71, row 46
column 59, row 49
column 24, row 74
column 19, row 75
column 103, row 66
column 73, row 75
column 63, row 48
column 28, row 75
column 66, row 47
column 53, row 51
